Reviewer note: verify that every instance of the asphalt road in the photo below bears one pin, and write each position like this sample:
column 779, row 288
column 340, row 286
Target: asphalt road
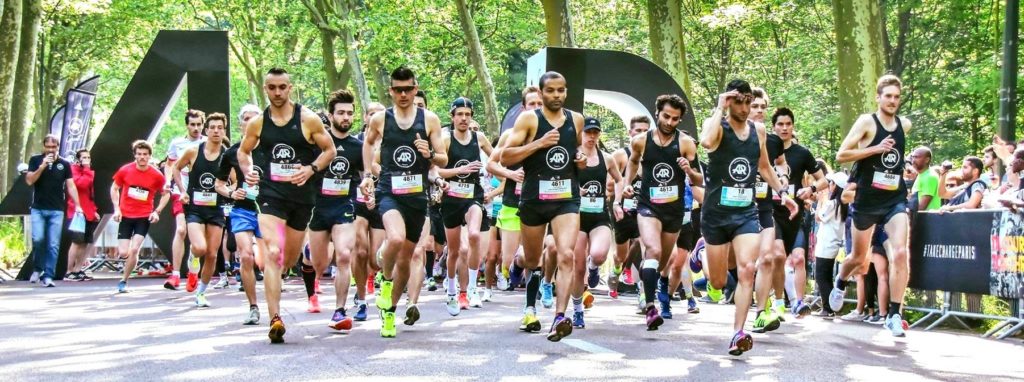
column 85, row 331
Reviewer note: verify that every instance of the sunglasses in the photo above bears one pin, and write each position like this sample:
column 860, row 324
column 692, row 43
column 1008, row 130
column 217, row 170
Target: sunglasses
column 403, row 89
column 744, row 98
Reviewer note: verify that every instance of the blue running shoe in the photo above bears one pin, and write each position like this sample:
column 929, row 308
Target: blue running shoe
column 691, row 305
column 577, row 320
column 593, row 277
column 122, row 287
column 666, row 305
column 547, row 295
column 360, row 313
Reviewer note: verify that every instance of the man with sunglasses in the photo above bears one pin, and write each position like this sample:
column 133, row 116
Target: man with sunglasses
column 410, row 140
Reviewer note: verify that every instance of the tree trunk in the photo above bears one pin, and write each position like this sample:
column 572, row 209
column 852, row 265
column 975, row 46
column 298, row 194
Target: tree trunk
column 355, row 66
column 668, row 48
column 380, row 81
column 21, row 118
column 558, row 23
column 859, row 57
column 10, row 24
column 476, row 56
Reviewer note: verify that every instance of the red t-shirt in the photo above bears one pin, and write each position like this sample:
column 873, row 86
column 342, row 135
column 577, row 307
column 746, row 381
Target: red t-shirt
column 84, row 177
column 138, row 189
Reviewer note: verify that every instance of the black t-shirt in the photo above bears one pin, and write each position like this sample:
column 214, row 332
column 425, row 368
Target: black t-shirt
column 801, row 162
column 48, row 191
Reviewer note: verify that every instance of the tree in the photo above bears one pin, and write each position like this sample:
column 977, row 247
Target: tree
column 558, row 22
column 668, row 48
column 21, row 118
column 859, row 56
column 476, row 57
column 10, row 23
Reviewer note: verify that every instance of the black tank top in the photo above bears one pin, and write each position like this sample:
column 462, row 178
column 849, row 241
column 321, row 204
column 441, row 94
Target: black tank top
column 662, row 183
column 629, row 204
column 551, row 172
column 463, row 188
column 341, row 178
column 403, row 170
column 880, row 179
column 285, row 151
column 202, row 178
column 228, row 162
column 730, row 172
column 593, row 181
column 764, row 194
column 513, row 190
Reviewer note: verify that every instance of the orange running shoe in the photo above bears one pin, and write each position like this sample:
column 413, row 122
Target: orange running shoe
column 276, row 330
column 463, row 301
column 192, row 283
column 314, row 304
column 172, row 282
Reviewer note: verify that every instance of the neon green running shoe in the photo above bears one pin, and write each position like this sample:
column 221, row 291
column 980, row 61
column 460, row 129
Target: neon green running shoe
column 384, row 300
column 388, row 330
column 714, row 294
column 766, row 321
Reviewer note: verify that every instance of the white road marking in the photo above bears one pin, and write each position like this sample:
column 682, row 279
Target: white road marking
column 589, row 347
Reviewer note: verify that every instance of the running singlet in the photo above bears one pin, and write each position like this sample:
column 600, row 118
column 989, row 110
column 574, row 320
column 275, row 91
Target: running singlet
column 138, row 188
column 228, row 162
column 551, row 173
column 463, row 188
column 662, row 182
column 341, row 178
column 510, row 195
column 285, row 151
column 801, row 162
column 880, row 179
column 202, row 178
column 593, row 181
column 764, row 194
column 730, row 173
column 403, row 170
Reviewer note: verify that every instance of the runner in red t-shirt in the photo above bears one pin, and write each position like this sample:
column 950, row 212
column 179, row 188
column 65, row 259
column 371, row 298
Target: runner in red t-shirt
column 135, row 186
column 81, row 242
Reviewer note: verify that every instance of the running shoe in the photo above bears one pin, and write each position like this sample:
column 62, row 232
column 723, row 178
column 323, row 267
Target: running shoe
column 384, row 299
column 691, row 305
column 277, row 330
column 853, row 316
column 316, row 286
column 34, row 278
column 360, row 313
column 715, row 295
column 780, row 311
column 895, row 325
column 412, row 314
column 654, row 319
column 825, row 315
column 84, row 276
column 253, row 318
column 431, row 285
column 835, row 299
column 547, row 295
column 515, row 278
column 340, row 322
column 452, row 304
column 463, row 301
column 875, row 320
column 577, row 320
column 221, row 283
column 387, row 329
column 741, row 343
column 122, row 287
column 475, row 300
column 588, row 299
column 172, row 282
column 766, row 321
column 530, row 323
column 48, row 282
column 192, row 282
column 666, row 305
column 560, row 328
column 201, row 300
column 628, row 276
column 613, row 285
column 72, row 276
column 314, row 304
column 593, row 277
column 369, row 286
column 801, row 310
column 487, row 296
column 502, row 280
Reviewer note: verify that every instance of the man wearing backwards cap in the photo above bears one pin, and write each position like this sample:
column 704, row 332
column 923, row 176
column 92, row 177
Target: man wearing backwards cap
column 462, row 205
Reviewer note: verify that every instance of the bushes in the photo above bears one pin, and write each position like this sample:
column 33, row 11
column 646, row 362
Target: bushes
column 12, row 241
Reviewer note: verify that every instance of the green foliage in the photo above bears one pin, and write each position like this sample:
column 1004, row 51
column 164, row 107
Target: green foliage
column 12, row 242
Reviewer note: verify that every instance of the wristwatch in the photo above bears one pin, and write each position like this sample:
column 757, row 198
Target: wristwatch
column 314, row 167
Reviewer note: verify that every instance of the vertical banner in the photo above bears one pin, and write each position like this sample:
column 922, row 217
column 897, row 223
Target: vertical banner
column 1007, row 270
column 77, row 115
column 57, row 122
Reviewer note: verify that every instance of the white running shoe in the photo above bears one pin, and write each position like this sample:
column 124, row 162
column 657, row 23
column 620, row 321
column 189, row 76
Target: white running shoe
column 895, row 325
column 835, row 299
column 452, row 304
column 502, row 282
column 474, row 299
column 854, row 316
column 221, row 283
column 34, row 278
column 487, row 295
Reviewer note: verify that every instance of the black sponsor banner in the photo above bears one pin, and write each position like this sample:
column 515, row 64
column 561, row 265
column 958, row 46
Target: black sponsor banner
column 1006, row 278
column 952, row 252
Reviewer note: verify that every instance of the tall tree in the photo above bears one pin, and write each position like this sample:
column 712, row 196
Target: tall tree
column 332, row 18
column 859, row 56
column 558, row 22
column 10, row 24
column 21, row 119
column 668, row 48
column 476, row 57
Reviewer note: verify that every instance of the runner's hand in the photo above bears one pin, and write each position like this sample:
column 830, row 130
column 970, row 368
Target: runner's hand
column 367, row 187
column 549, row 139
column 885, row 145
column 518, row 176
column 184, row 198
column 580, row 159
column 725, row 99
column 790, row 205
column 371, row 201
column 252, row 178
column 238, row 194
column 422, row 146
column 804, row 193
column 300, row 178
column 97, row 215
column 683, row 164
column 617, row 211
column 154, row 217
column 116, row 217
column 470, row 168
column 627, row 191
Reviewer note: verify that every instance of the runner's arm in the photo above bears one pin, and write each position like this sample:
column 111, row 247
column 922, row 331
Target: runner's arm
column 249, row 142
column 164, row 198
column 637, row 145
column 516, row 149
column 447, row 173
column 439, row 157
column 849, row 151
column 184, row 160
column 688, row 149
column 616, row 174
column 711, row 130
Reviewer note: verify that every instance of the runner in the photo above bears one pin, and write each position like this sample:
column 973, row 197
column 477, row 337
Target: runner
column 406, row 155
column 462, row 206
column 545, row 142
column 730, row 222
column 876, row 143
column 626, row 231
column 595, row 236
column 369, row 232
column 676, row 275
column 194, row 121
column 132, row 193
column 287, row 136
column 662, row 153
column 203, row 214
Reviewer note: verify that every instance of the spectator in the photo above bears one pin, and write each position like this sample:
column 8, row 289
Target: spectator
column 926, row 187
column 1015, row 200
column 831, row 214
column 82, row 242
column 48, row 175
column 970, row 197
column 992, row 178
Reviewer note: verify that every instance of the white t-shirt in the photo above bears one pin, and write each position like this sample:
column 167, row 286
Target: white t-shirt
column 178, row 147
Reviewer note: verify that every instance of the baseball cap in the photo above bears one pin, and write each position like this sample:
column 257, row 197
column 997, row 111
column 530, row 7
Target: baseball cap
column 590, row 123
column 839, row 178
column 460, row 102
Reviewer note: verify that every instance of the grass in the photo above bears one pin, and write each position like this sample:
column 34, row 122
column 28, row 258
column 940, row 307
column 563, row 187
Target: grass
column 12, row 241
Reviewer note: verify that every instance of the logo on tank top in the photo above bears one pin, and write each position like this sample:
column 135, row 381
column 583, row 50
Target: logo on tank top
column 557, row 157
column 460, row 163
column 663, row 173
column 283, row 153
column 891, row 159
column 636, row 183
column 60, row 167
column 592, row 188
column 405, row 156
column 339, row 166
column 206, row 180
column 739, row 169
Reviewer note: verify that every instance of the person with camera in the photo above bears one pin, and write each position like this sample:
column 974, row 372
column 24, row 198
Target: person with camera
column 49, row 175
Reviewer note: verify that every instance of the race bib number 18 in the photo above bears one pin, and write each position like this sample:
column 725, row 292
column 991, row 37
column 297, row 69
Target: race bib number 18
column 737, row 197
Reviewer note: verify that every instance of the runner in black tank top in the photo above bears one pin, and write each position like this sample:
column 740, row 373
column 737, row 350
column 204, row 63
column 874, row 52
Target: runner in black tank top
column 662, row 158
column 243, row 223
column 627, row 248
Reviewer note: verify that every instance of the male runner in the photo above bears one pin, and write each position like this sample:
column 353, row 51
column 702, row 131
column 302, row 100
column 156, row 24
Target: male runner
column 662, row 153
column 462, row 205
column 132, row 193
column 406, row 155
column 194, row 121
column 730, row 222
column 203, row 214
column 287, row 136
column 626, row 231
column 369, row 232
column 545, row 142
column 876, row 143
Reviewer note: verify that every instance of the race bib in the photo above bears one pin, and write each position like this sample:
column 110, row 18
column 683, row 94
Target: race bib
column 138, row 193
column 251, row 192
column 629, row 204
column 886, row 181
column 592, row 205
column 687, row 217
column 282, row 172
column 460, row 190
column 519, row 188
column 737, row 197
column 335, row 187
column 204, row 198
column 406, row 184
column 555, row 189
column 664, row 194
column 359, row 195
column 762, row 189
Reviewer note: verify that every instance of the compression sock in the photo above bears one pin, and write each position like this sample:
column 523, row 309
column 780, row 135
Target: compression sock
column 308, row 278
column 649, row 275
